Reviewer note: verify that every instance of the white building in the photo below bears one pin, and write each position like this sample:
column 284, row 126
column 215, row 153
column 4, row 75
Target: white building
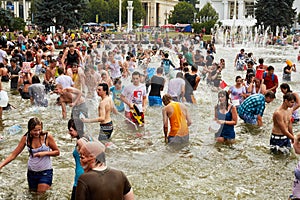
column 244, row 8
column 158, row 11
column 19, row 8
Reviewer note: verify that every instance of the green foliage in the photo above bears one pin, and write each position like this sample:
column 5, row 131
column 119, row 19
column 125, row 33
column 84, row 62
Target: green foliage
column 113, row 15
column 58, row 13
column 207, row 25
column 6, row 17
column 13, row 23
column 183, row 13
column 275, row 13
column 208, row 11
column 96, row 7
column 18, row 24
column 138, row 11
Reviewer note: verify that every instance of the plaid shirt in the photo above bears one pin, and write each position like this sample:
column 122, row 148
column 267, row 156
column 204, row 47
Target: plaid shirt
column 253, row 105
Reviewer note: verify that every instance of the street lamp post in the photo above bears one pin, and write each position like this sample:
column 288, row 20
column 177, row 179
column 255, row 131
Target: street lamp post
column 120, row 15
column 129, row 15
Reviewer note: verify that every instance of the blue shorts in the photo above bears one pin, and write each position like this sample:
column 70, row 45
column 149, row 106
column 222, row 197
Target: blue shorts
column 279, row 141
column 155, row 101
column 249, row 118
column 42, row 177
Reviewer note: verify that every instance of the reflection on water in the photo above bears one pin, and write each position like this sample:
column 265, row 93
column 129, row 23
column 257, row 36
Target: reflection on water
column 201, row 170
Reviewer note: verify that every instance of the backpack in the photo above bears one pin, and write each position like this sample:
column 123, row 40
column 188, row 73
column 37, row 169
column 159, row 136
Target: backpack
column 265, row 74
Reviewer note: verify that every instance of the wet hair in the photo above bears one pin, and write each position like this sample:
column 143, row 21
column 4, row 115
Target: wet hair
column 270, row 94
column 1, row 65
column 60, row 70
column 249, row 76
column 77, row 125
column 237, row 77
column 159, row 70
column 166, row 98
column 136, row 73
column 166, row 55
column 105, row 87
column 260, row 60
column 35, row 79
column 286, row 86
column 32, row 123
column 179, row 75
column 194, row 68
column 289, row 96
column 226, row 94
column 117, row 80
column 270, row 68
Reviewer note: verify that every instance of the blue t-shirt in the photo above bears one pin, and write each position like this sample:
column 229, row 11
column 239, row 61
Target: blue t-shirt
column 117, row 98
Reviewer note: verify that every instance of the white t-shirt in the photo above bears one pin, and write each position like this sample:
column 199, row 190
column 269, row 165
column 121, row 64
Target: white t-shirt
column 3, row 55
column 135, row 94
column 65, row 81
column 175, row 85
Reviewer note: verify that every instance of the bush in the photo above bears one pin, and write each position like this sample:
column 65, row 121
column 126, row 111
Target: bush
column 207, row 25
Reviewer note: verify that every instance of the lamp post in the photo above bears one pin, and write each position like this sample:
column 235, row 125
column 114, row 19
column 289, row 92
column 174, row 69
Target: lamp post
column 129, row 15
column 120, row 15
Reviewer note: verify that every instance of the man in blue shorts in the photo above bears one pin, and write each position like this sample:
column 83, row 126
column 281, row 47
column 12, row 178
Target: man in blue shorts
column 252, row 109
column 282, row 131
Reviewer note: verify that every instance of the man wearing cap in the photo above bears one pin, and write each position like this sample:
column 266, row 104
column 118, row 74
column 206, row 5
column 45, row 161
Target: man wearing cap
column 100, row 181
column 287, row 70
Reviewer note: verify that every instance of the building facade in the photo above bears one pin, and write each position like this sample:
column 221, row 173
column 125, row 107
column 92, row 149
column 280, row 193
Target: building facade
column 159, row 11
column 244, row 8
column 19, row 8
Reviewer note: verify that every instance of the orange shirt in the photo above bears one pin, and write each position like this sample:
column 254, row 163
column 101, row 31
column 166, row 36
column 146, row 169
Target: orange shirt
column 178, row 122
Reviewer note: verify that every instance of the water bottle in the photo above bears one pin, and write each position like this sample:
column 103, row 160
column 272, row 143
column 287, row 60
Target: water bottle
column 81, row 116
column 15, row 129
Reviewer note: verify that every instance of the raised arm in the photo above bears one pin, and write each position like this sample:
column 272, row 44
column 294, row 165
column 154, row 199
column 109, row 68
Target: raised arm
column 15, row 153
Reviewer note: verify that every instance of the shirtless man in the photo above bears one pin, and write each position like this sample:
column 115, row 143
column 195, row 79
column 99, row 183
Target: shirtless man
column 106, row 106
column 282, row 131
column 177, row 114
column 73, row 97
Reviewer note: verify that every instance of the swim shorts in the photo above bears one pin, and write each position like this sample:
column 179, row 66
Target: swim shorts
column 105, row 131
column 155, row 101
column 280, row 143
column 42, row 177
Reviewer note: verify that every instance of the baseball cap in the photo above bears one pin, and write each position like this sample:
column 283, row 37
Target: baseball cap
column 94, row 148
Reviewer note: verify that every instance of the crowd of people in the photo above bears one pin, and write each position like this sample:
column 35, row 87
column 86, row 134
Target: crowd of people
column 126, row 83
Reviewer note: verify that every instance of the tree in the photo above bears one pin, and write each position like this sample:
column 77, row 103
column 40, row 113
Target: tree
column 96, row 7
column 209, row 18
column 18, row 24
column 208, row 11
column 138, row 11
column 113, row 8
column 67, row 14
column 6, row 18
column 183, row 13
column 275, row 13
